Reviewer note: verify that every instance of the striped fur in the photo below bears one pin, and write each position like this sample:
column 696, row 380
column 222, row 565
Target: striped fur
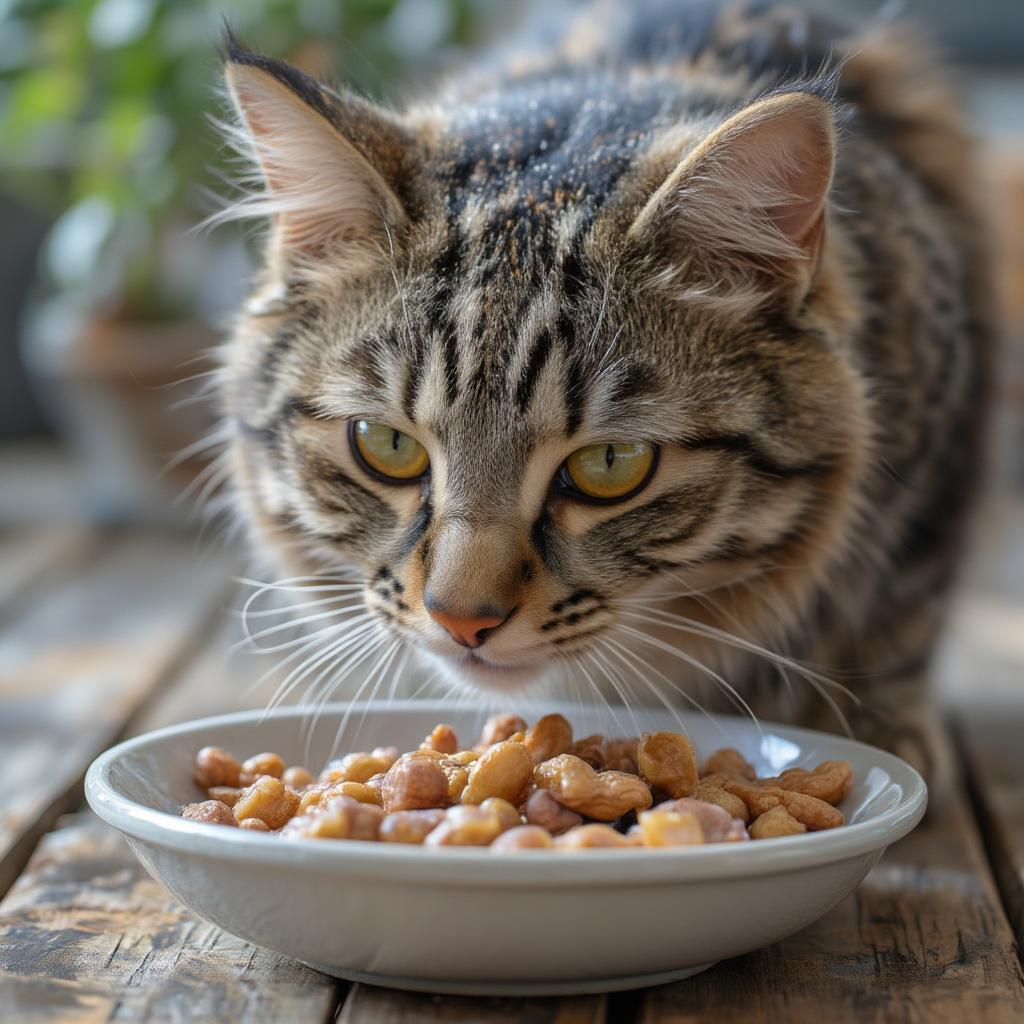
column 816, row 401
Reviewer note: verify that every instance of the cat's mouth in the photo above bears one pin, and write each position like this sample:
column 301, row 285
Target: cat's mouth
column 474, row 670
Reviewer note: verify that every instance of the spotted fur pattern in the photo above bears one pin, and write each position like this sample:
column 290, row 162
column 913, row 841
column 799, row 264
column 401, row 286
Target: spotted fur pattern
column 818, row 435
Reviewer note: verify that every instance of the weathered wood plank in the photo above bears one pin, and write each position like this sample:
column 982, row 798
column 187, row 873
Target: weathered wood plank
column 87, row 936
column 79, row 662
column 990, row 745
column 31, row 557
column 367, row 1004
column 924, row 939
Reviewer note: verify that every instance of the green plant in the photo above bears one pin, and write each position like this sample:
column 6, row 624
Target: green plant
column 103, row 116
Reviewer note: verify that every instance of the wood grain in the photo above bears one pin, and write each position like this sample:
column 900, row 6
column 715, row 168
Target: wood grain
column 924, row 939
column 990, row 745
column 79, row 661
column 87, row 936
column 367, row 1004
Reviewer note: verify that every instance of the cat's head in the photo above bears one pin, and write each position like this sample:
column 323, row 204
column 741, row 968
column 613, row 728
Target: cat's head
column 517, row 361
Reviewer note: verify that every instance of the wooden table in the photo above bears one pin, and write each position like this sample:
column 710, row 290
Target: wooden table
column 106, row 636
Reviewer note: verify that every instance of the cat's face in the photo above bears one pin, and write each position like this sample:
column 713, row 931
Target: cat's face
column 519, row 405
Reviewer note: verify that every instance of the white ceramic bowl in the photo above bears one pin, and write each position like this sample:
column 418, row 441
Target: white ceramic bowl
column 472, row 921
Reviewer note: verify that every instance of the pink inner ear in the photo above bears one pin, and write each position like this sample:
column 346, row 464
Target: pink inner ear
column 792, row 153
column 807, row 180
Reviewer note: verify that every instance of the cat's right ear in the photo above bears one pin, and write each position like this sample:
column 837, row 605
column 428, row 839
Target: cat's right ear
column 745, row 210
column 327, row 161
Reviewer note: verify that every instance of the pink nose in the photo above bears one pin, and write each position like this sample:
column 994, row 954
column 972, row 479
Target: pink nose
column 465, row 631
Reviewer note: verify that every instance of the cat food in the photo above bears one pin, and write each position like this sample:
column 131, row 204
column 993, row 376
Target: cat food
column 522, row 788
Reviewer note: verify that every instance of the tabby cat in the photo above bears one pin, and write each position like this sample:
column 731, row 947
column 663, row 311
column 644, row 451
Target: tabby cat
column 651, row 355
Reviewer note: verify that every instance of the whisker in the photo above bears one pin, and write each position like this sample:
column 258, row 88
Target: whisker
column 281, row 627
column 670, row 682
column 685, row 625
column 334, row 648
column 729, row 689
column 611, row 671
column 380, row 669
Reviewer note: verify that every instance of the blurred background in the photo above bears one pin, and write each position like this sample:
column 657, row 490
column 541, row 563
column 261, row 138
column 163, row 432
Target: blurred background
column 110, row 302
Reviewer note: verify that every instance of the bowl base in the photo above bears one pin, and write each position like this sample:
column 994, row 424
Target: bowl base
column 582, row 986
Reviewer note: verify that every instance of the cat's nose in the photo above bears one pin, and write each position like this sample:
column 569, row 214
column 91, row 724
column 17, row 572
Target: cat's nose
column 471, row 630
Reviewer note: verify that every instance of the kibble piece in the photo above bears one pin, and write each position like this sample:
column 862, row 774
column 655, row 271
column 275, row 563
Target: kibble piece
column 355, row 768
column 504, row 770
column 312, row 796
column 213, row 812
column 591, row 749
column 410, row 827
column 830, row 781
column 268, row 799
column 225, row 794
column 263, row 764
column 544, row 810
column 414, row 782
column 710, row 791
column 731, row 763
column 506, row 814
column 814, row 813
column 601, row 795
column 621, row 756
column 592, row 837
column 297, row 778
column 361, row 791
column 776, row 822
column 604, row 754
column 662, row 827
column 442, row 739
column 254, row 825
column 667, row 761
column 340, row 817
column 386, row 755
column 548, row 737
column 458, row 777
column 716, row 823
column 466, row 825
column 498, row 728
column 216, row 767
column 524, row 837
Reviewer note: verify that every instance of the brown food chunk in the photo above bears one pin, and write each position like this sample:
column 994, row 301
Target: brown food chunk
column 268, row 799
column 216, row 767
column 668, row 762
column 414, row 782
column 212, row 812
column 498, row 728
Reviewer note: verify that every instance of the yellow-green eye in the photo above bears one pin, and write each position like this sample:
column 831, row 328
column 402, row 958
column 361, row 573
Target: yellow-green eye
column 388, row 453
column 610, row 472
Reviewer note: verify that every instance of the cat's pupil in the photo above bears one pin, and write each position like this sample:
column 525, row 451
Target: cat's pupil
column 395, row 437
column 609, row 456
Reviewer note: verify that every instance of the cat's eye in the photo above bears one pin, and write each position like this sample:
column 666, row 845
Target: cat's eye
column 388, row 454
column 609, row 472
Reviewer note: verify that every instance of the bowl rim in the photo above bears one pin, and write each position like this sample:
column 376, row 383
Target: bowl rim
column 462, row 866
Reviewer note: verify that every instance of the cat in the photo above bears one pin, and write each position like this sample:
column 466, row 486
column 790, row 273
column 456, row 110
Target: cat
column 653, row 354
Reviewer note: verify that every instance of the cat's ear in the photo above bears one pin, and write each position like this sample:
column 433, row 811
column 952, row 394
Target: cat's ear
column 325, row 159
column 747, row 206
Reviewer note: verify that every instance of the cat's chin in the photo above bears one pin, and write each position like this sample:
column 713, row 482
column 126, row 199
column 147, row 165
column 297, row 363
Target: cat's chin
column 471, row 673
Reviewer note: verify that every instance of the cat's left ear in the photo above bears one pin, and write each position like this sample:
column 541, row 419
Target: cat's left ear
column 330, row 163
column 747, row 206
